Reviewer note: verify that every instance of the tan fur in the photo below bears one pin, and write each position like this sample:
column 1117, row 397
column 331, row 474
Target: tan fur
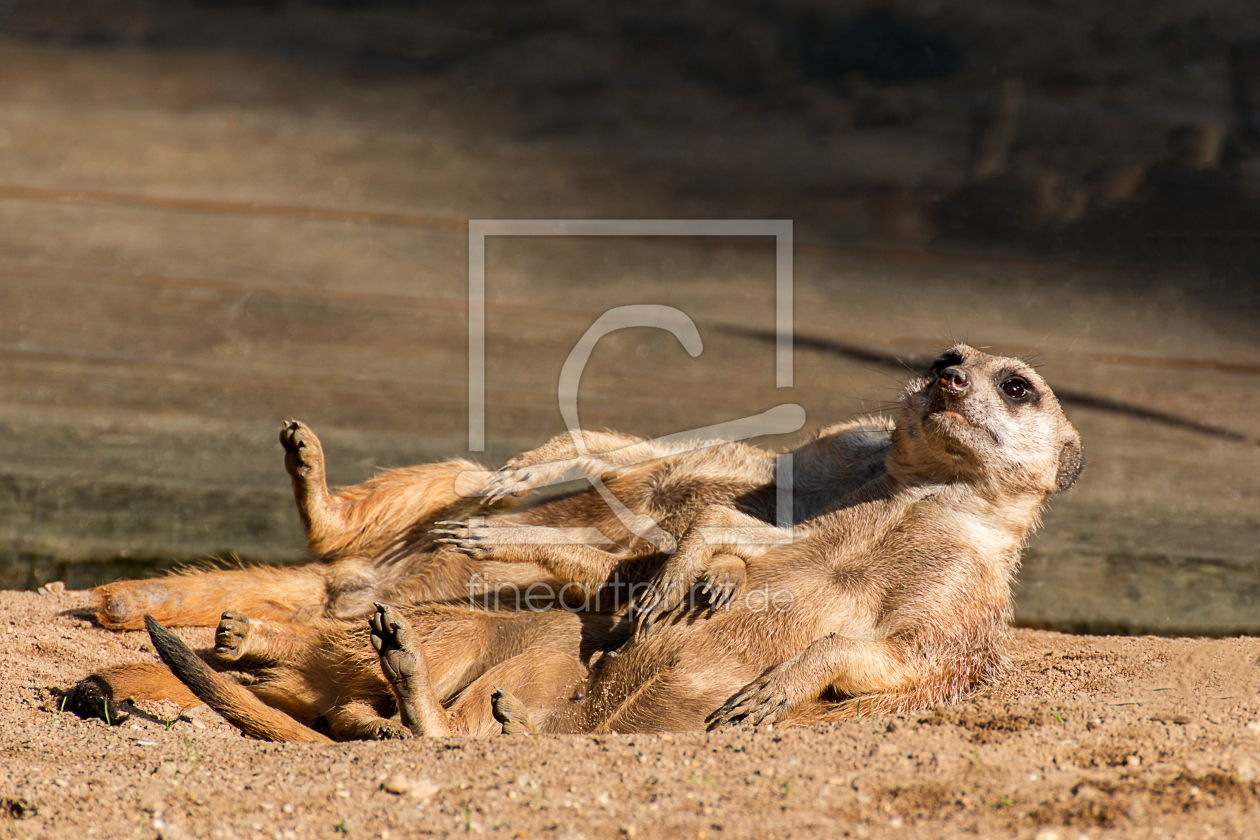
column 891, row 591
column 661, row 491
column 326, row 675
column 371, row 543
column 377, row 541
column 890, row 588
column 897, row 595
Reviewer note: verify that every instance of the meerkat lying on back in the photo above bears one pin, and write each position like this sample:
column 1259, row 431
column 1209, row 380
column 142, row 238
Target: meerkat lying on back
column 891, row 592
column 387, row 538
column 382, row 541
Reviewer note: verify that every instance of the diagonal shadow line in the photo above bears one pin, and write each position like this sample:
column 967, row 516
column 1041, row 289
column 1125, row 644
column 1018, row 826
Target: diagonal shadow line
column 216, row 206
column 919, row 364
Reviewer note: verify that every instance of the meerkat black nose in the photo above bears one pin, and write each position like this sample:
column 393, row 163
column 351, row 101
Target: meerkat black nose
column 954, row 380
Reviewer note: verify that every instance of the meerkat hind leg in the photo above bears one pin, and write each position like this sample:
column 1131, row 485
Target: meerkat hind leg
column 322, row 514
column 199, row 599
column 407, row 669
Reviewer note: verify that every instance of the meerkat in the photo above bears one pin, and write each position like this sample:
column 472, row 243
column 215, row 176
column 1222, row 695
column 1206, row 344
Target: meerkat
column 442, row 670
column 368, row 542
column 896, row 597
column 405, row 535
column 334, row 679
column 381, row 541
column 890, row 591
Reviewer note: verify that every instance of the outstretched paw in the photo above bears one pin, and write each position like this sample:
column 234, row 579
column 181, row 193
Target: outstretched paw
column 512, row 481
column 653, row 602
column 400, row 652
column 230, row 636
column 471, row 537
column 525, row 473
column 303, row 454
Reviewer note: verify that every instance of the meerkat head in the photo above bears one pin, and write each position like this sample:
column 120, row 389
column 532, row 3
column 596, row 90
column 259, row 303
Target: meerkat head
column 987, row 419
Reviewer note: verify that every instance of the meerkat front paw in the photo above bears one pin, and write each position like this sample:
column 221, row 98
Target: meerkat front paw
column 651, row 603
column 723, row 580
column 386, row 730
column 503, row 542
column 471, row 538
column 521, row 476
column 508, row 482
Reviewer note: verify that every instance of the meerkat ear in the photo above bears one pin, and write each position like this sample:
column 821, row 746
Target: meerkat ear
column 1071, row 462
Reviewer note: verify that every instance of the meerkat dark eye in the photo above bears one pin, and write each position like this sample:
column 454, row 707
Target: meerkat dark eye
column 1016, row 388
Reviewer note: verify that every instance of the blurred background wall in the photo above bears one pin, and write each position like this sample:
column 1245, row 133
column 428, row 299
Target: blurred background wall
column 218, row 215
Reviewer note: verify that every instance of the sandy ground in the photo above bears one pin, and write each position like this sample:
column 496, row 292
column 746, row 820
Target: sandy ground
column 177, row 185
column 1098, row 737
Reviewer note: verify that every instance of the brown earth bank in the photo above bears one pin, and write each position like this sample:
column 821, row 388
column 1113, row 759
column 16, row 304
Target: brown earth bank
column 1090, row 736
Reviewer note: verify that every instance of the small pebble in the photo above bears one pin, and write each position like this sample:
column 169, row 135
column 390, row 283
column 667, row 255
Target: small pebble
column 170, row 831
column 406, row 786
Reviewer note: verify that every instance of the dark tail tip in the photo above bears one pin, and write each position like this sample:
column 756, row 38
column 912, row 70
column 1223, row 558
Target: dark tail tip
column 93, row 697
column 180, row 658
column 238, row 706
column 169, row 646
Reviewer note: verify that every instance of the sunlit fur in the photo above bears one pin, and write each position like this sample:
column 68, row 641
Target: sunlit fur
column 325, row 675
column 894, row 577
column 900, row 590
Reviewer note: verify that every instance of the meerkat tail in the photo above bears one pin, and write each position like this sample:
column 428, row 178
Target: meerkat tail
column 511, row 713
column 238, row 705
